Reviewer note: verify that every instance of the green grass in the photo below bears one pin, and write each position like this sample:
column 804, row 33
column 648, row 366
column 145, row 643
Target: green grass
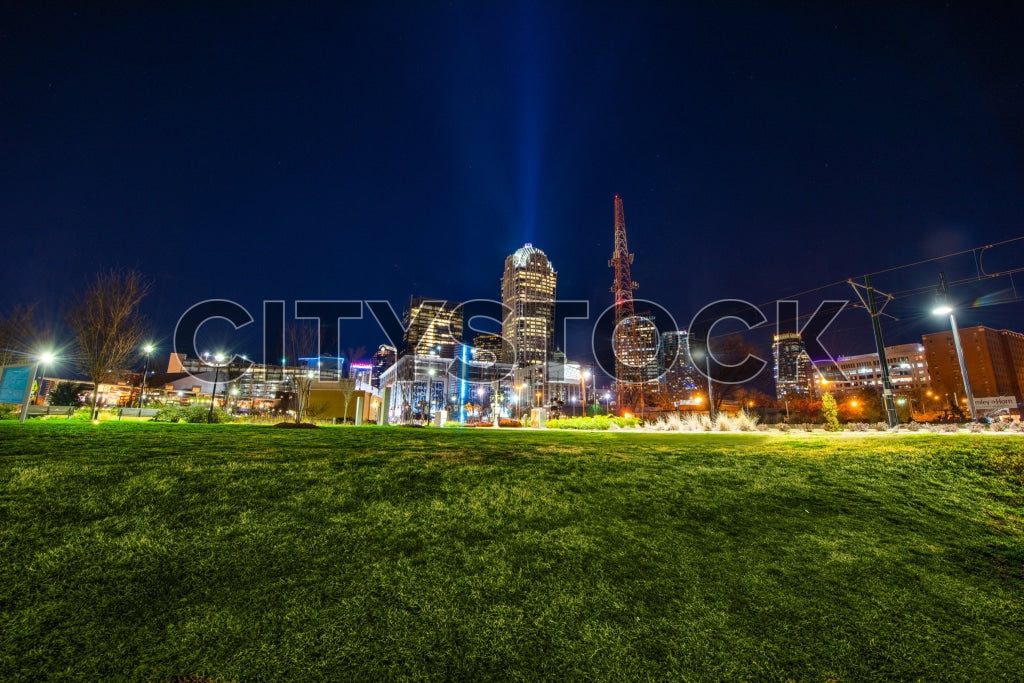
column 149, row 551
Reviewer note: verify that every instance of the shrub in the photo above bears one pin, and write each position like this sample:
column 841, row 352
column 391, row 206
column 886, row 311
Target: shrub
column 782, row 427
column 807, row 427
column 746, row 422
column 7, row 411
column 975, row 427
column 998, row 426
column 830, row 412
column 67, row 394
column 697, row 422
column 672, row 423
column 761, row 427
column 950, row 428
column 168, row 414
column 914, row 426
column 881, row 427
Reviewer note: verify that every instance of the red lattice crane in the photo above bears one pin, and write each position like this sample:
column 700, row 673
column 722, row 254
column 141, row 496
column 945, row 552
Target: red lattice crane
column 625, row 341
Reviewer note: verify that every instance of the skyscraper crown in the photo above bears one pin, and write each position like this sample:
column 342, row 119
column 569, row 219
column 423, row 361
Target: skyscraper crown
column 524, row 254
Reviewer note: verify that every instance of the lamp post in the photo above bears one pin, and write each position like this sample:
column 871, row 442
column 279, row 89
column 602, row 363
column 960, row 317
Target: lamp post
column 583, row 391
column 430, row 392
column 219, row 358
column 707, row 373
column 45, row 359
column 944, row 307
column 148, row 349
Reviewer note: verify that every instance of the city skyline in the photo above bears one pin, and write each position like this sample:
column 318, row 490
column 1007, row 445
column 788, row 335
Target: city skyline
column 381, row 154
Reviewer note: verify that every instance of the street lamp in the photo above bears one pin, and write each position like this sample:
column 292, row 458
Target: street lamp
column 583, row 391
column 944, row 307
column 213, row 394
column 148, row 350
column 707, row 373
column 430, row 392
column 607, row 399
column 45, row 359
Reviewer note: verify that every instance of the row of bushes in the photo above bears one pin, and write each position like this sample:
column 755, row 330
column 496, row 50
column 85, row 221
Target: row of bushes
column 194, row 414
column 699, row 422
column 600, row 422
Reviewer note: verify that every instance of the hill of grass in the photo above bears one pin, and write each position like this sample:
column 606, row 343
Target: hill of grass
column 149, row 551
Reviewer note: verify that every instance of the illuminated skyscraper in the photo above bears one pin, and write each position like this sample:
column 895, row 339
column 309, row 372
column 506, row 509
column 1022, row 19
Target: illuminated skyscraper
column 434, row 327
column 792, row 366
column 382, row 360
column 681, row 377
column 528, row 290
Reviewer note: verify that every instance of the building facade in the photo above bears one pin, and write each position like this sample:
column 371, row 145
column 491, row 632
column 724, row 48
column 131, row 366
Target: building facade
column 681, row 378
column 384, row 358
column 793, row 369
column 528, row 292
column 432, row 326
column 994, row 360
column 908, row 371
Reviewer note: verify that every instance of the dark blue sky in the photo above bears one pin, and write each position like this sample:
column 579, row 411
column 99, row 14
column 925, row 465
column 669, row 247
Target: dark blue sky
column 381, row 152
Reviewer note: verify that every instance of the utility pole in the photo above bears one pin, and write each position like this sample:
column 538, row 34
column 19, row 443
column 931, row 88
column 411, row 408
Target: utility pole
column 887, row 398
column 888, row 402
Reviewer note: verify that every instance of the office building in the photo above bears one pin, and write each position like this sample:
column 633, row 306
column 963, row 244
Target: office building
column 528, row 292
column 793, row 368
column 994, row 360
column 433, row 327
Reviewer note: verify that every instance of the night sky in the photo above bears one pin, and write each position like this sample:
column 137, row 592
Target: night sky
column 400, row 149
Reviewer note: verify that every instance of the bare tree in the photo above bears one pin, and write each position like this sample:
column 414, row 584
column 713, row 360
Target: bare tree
column 302, row 342
column 729, row 351
column 107, row 325
column 16, row 332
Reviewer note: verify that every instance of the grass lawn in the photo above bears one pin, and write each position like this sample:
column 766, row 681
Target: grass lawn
column 149, row 551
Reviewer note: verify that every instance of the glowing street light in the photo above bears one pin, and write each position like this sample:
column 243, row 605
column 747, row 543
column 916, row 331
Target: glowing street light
column 148, row 350
column 944, row 307
column 45, row 358
column 584, row 377
column 219, row 357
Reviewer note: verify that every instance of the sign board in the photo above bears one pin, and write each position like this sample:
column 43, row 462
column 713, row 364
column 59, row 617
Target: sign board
column 15, row 380
column 995, row 402
column 16, row 385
